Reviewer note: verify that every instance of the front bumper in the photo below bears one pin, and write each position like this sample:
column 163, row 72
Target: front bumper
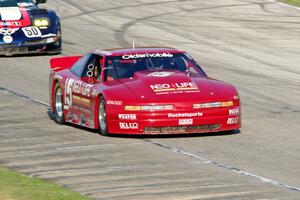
column 41, row 45
column 214, row 120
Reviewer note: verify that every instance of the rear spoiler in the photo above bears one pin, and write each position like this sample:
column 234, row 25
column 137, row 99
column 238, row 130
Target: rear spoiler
column 61, row 63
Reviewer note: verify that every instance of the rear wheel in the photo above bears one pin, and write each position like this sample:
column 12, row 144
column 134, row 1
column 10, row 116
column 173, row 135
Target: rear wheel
column 102, row 117
column 58, row 105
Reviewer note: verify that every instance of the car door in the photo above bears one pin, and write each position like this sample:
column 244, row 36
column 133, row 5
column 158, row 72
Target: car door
column 86, row 89
column 74, row 90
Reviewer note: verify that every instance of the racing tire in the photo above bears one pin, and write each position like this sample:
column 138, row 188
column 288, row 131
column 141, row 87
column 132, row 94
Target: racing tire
column 102, row 117
column 58, row 105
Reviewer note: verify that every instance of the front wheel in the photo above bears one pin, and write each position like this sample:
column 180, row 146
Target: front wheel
column 102, row 118
column 58, row 105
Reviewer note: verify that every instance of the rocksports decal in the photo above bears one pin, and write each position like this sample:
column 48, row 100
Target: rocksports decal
column 147, row 55
column 178, row 115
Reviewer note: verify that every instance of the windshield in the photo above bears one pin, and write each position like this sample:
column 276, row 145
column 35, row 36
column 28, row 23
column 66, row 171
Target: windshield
column 13, row 3
column 125, row 66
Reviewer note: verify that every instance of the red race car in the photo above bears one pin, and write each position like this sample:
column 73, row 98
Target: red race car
column 141, row 91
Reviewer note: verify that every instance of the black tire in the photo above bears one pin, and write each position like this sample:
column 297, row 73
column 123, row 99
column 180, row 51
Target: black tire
column 102, row 120
column 58, row 105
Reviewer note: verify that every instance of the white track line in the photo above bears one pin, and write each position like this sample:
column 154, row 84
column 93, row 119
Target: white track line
column 9, row 91
column 224, row 166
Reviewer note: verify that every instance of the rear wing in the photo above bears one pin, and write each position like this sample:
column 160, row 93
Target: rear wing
column 61, row 63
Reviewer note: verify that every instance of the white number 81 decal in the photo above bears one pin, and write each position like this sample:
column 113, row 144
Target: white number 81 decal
column 32, row 31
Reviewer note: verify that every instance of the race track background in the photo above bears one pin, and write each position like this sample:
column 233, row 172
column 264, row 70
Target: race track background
column 254, row 44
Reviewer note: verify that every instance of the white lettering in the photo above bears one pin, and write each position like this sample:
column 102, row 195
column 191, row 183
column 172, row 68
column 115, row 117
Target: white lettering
column 147, row 55
column 125, row 125
column 127, row 116
column 234, row 120
column 234, row 111
column 178, row 115
column 111, row 102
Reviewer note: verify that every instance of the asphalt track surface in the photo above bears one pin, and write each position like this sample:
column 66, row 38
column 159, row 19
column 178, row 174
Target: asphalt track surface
column 254, row 44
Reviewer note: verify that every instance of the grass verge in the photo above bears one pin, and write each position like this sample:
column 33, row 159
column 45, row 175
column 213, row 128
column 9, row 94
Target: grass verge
column 293, row 2
column 15, row 186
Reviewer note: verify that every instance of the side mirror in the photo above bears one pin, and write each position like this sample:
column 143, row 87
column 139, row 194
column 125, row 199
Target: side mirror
column 40, row 1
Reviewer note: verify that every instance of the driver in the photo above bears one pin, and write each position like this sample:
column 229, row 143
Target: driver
column 97, row 73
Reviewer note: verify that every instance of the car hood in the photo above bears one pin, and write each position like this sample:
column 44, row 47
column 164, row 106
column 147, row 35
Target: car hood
column 172, row 86
column 14, row 17
column 19, row 16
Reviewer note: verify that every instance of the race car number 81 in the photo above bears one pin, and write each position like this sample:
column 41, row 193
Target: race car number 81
column 32, row 31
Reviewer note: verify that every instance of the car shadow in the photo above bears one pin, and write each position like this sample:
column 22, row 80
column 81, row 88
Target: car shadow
column 183, row 135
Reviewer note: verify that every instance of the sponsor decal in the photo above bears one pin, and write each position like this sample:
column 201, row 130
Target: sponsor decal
column 161, row 74
column 125, row 125
column 7, row 32
column 79, row 99
column 185, row 121
column 10, row 23
column 127, row 116
column 82, row 88
column 166, row 88
column 112, row 102
column 234, row 111
column 76, row 87
column 7, row 39
column 233, row 120
column 147, row 55
column 177, row 115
